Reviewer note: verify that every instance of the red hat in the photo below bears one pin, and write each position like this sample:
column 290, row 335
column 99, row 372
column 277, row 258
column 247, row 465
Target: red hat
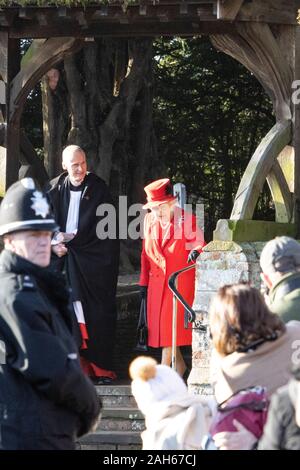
column 158, row 192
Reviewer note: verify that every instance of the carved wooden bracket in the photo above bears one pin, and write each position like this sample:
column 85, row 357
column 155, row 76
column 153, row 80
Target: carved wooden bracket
column 263, row 165
column 256, row 47
column 228, row 9
column 280, row 194
column 47, row 54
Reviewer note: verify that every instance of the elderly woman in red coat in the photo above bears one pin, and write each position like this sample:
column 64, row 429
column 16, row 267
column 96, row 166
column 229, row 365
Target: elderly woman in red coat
column 172, row 240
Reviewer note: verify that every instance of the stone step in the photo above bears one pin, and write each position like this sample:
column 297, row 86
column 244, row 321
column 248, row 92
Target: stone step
column 121, row 422
column 116, row 396
column 122, row 419
column 116, row 389
column 113, row 440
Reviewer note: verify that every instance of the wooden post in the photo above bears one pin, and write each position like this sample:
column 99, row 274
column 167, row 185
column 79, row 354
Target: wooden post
column 227, row 10
column 296, row 133
column 9, row 154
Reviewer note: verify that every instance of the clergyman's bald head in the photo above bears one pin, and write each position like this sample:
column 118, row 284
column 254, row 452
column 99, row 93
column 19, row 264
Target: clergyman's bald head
column 74, row 162
column 69, row 151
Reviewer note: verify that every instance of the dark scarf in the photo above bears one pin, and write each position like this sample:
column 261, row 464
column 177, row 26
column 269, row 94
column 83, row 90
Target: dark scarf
column 76, row 188
column 52, row 283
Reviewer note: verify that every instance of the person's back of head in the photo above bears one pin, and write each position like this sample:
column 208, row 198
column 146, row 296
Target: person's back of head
column 175, row 419
column 153, row 383
column 239, row 319
column 280, row 255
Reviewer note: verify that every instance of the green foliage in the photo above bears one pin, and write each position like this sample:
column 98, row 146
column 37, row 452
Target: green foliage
column 210, row 115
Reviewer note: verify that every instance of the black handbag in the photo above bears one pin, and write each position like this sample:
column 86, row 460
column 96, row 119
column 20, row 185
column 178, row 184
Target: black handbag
column 142, row 328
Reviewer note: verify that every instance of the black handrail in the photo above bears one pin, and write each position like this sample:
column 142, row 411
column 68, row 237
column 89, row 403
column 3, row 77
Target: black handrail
column 172, row 286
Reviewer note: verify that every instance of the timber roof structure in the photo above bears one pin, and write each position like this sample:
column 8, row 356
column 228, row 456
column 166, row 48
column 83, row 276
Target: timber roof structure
column 263, row 35
column 83, row 18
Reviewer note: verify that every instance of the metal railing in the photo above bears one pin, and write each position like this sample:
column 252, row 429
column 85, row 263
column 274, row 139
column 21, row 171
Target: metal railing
column 189, row 313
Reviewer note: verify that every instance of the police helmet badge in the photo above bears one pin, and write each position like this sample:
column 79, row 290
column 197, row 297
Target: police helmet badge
column 40, row 204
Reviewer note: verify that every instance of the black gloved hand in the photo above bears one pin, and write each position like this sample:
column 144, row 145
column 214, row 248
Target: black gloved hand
column 143, row 291
column 193, row 255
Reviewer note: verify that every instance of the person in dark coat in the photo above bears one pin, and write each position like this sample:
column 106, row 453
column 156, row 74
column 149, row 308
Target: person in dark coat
column 282, row 429
column 46, row 402
column 90, row 260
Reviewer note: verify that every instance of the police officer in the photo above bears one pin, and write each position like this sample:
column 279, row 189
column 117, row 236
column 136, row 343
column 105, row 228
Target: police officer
column 46, row 402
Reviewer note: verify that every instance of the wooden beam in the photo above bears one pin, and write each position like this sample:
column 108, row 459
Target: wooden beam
column 30, row 157
column 103, row 11
column 296, row 132
column 185, row 28
column 269, row 11
column 2, row 133
column 258, row 169
column 23, row 13
column 286, row 160
column 81, row 18
column 6, row 18
column 42, row 19
column 106, row 15
column 31, row 51
column 47, row 55
column 9, row 67
column 228, row 9
column 280, row 194
column 258, row 49
column 183, row 8
column 62, row 12
column 143, row 10
column 9, row 57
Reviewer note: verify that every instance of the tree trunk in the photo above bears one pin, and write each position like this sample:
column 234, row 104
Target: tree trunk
column 103, row 102
column 55, row 124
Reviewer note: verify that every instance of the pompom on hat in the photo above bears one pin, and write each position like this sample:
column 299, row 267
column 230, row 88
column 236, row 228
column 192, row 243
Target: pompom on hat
column 152, row 383
column 158, row 192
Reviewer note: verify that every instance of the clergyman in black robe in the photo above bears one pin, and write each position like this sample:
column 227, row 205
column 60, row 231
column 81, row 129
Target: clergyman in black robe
column 91, row 264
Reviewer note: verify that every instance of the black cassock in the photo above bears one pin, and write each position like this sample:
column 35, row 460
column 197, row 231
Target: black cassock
column 91, row 265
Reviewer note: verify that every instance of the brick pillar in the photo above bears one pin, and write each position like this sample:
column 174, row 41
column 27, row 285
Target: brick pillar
column 221, row 263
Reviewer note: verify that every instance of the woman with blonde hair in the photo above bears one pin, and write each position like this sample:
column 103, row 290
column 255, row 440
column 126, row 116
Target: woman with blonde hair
column 172, row 241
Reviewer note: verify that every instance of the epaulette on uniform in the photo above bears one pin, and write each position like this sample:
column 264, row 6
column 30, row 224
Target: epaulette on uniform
column 26, row 282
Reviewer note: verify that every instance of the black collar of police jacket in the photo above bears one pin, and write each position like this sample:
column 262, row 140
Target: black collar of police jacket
column 51, row 282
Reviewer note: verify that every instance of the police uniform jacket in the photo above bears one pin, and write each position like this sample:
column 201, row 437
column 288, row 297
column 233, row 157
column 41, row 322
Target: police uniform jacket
column 45, row 400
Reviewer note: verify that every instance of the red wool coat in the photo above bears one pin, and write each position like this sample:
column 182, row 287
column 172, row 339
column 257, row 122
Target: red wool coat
column 166, row 251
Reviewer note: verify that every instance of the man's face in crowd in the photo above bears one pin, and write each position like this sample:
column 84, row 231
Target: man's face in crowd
column 75, row 164
column 33, row 245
